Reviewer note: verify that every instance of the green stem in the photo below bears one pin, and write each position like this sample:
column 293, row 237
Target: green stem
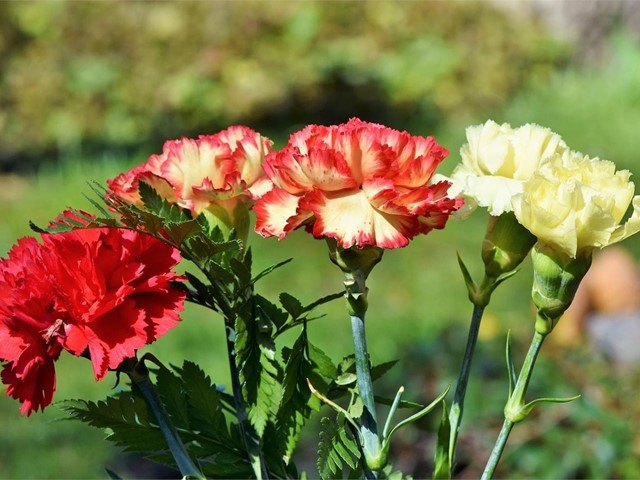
column 372, row 447
column 457, row 407
column 186, row 466
column 515, row 409
column 498, row 449
column 249, row 435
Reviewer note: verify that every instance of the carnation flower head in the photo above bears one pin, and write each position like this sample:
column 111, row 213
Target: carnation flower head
column 359, row 183
column 28, row 316
column 574, row 203
column 209, row 174
column 497, row 159
column 107, row 292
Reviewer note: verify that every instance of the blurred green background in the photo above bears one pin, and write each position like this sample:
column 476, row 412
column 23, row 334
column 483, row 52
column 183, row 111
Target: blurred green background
column 89, row 89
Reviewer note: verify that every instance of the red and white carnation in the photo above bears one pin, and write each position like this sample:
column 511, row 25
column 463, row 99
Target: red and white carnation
column 359, row 183
column 211, row 172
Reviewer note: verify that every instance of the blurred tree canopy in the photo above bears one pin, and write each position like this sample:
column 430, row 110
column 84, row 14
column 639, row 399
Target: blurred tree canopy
column 118, row 74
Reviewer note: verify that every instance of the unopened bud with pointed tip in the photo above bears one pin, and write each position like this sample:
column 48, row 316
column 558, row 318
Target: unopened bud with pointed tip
column 556, row 277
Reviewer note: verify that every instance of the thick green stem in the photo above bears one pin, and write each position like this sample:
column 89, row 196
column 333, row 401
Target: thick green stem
column 186, row 466
column 369, row 421
column 457, row 407
column 357, row 302
column 515, row 409
column 251, row 440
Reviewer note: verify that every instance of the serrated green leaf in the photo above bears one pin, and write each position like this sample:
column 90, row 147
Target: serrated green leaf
column 214, row 467
column 322, row 362
column 291, row 304
column 347, row 364
column 179, row 233
column 336, row 448
column 169, row 387
column 349, row 442
column 277, row 316
column 378, row 371
column 221, row 278
column 203, row 399
column 126, row 416
column 204, row 294
column 259, row 371
column 150, row 197
column 297, row 400
column 293, row 358
column 97, row 206
column 240, row 271
column 346, row 375
column 322, row 301
column 270, row 269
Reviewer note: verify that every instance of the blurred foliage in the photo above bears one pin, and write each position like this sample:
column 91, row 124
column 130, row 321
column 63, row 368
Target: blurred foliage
column 596, row 109
column 97, row 74
column 595, row 436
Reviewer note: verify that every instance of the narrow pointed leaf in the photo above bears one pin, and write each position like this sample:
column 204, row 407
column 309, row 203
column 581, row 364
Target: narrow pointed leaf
column 530, row 406
column 417, row 416
column 511, row 370
column 442, row 457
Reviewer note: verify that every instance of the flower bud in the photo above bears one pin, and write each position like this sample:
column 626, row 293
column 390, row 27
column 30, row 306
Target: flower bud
column 556, row 277
column 505, row 245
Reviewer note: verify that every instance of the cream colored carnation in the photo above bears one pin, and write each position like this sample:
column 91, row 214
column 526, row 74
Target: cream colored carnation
column 574, row 203
column 497, row 159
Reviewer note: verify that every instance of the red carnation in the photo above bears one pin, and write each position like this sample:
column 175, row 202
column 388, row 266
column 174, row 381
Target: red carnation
column 106, row 291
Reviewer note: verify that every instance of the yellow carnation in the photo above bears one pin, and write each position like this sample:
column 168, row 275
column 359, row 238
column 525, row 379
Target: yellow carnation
column 497, row 159
column 574, row 203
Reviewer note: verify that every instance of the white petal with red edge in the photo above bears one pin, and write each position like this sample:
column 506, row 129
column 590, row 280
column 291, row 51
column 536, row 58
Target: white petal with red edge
column 352, row 220
column 260, row 187
column 276, row 213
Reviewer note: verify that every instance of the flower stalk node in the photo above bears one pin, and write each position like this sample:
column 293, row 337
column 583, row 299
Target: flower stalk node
column 480, row 295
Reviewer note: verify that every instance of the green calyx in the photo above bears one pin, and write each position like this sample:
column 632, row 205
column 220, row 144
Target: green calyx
column 506, row 244
column 228, row 215
column 356, row 263
column 354, row 260
column 556, row 278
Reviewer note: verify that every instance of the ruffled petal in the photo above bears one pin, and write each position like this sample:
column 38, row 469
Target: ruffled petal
column 494, row 193
column 351, row 220
column 417, row 171
column 277, row 213
column 630, row 227
column 260, row 187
